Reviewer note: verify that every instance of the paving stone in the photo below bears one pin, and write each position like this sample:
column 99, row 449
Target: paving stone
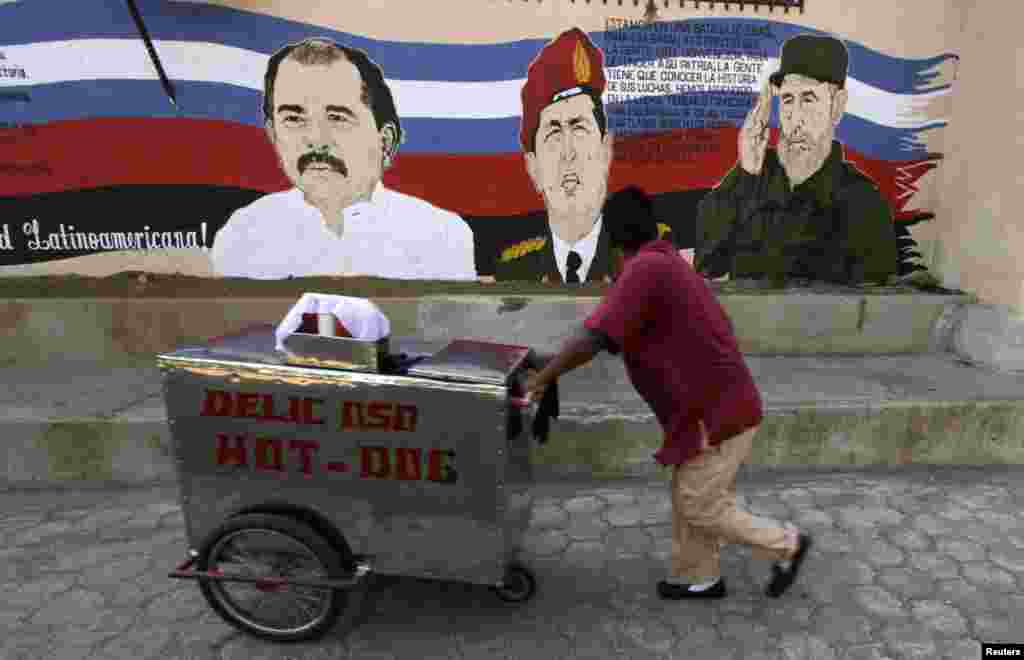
column 977, row 532
column 548, row 516
column 703, row 642
column 544, row 542
column 615, row 497
column 661, row 549
column 938, row 566
column 32, row 595
column 69, row 650
column 865, row 652
column 933, row 525
column 138, row 644
column 585, row 526
column 1004, row 522
column 141, row 588
column 833, row 541
column 996, row 628
column 881, row 553
column 963, row 649
column 989, row 576
column 908, row 539
column 813, row 518
column 910, row 642
column 105, row 518
column 180, row 604
column 805, row 647
column 1009, row 558
column 961, row 549
column 878, row 602
column 100, row 553
column 628, row 541
column 585, row 505
column 961, row 593
column 796, row 498
column 650, row 635
column 768, row 507
column 828, row 580
column 908, row 504
column 907, row 583
column 956, row 513
column 79, row 607
column 114, row 571
column 637, row 514
column 43, row 532
column 742, row 629
column 941, row 619
column 636, row 572
column 173, row 521
column 591, row 555
column 868, row 517
column 843, row 623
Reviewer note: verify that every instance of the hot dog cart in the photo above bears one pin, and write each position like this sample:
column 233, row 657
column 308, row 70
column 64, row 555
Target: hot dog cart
column 302, row 471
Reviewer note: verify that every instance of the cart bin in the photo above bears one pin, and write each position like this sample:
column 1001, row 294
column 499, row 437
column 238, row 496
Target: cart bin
column 422, row 465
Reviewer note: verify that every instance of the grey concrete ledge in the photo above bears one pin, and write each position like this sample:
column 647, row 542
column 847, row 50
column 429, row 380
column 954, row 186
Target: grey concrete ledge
column 122, row 331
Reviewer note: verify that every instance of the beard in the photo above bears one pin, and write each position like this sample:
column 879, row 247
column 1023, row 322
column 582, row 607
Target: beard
column 801, row 156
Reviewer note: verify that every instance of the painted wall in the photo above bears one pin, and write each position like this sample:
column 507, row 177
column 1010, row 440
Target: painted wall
column 981, row 229
column 91, row 140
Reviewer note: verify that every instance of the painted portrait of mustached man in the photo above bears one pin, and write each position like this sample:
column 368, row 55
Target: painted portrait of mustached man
column 331, row 118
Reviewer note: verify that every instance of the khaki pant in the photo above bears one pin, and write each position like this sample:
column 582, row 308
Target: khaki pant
column 704, row 514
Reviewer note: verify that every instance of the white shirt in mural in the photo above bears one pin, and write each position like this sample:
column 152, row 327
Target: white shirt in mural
column 393, row 235
column 586, row 247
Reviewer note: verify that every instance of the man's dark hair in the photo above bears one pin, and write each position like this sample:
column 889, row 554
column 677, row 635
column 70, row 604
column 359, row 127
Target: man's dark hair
column 629, row 216
column 599, row 117
column 376, row 93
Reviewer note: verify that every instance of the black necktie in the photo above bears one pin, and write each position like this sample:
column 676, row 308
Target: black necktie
column 574, row 263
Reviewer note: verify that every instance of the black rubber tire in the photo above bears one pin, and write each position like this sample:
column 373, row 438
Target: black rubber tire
column 303, row 534
column 519, row 584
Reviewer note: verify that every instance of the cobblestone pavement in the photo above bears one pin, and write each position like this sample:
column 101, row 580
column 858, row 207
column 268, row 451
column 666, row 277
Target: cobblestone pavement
column 908, row 565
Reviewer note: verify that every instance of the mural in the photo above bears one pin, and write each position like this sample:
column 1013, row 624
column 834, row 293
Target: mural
column 799, row 210
column 289, row 149
column 332, row 120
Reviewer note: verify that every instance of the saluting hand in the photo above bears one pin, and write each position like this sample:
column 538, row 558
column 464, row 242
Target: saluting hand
column 753, row 140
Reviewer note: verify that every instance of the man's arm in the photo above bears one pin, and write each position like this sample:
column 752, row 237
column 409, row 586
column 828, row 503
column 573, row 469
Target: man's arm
column 578, row 350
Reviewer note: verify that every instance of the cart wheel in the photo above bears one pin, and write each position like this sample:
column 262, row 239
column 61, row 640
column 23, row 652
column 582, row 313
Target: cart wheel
column 259, row 545
column 518, row 586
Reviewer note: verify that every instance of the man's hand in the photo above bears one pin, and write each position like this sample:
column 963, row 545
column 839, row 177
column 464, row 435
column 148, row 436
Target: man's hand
column 753, row 140
column 534, row 388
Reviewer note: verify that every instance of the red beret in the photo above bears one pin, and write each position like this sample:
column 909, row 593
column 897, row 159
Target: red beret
column 560, row 70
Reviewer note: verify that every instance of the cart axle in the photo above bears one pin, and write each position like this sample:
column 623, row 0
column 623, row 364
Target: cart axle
column 268, row 583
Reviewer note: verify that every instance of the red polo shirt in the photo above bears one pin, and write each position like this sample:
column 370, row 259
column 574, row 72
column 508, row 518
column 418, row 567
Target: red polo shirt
column 680, row 351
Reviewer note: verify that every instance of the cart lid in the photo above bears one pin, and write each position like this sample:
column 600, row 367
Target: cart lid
column 473, row 361
column 256, row 344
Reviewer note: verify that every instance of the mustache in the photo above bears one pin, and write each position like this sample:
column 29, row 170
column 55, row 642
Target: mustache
column 318, row 158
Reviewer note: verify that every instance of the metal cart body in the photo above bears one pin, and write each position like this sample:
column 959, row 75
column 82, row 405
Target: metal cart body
column 422, row 473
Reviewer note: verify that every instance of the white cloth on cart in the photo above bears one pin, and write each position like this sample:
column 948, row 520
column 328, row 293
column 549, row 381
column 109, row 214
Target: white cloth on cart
column 359, row 316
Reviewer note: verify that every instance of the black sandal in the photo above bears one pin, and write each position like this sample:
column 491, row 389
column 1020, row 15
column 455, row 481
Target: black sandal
column 782, row 579
column 672, row 591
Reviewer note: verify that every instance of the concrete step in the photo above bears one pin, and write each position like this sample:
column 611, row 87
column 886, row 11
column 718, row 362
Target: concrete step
column 125, row 330
column 89, row 423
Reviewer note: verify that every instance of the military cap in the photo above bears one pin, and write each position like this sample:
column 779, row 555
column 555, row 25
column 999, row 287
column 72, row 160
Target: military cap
column 567, row 66
column 822, row 58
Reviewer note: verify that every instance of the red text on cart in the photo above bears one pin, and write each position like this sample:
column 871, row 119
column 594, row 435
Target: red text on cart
column 353, row 415
column 266, row 454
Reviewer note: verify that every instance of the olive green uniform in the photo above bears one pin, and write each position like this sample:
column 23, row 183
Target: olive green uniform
column 835, row 227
